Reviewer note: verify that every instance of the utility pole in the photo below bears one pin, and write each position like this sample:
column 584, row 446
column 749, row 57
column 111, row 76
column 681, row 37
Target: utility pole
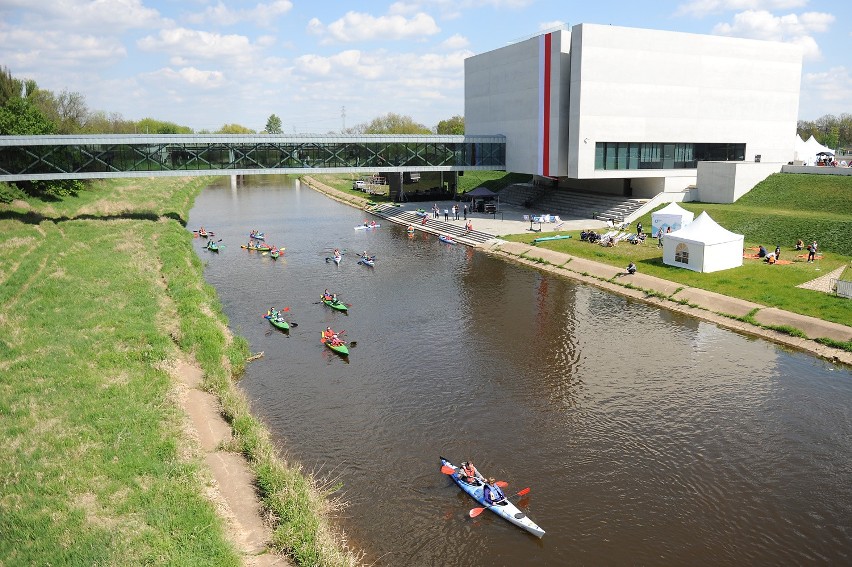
column 343, row 115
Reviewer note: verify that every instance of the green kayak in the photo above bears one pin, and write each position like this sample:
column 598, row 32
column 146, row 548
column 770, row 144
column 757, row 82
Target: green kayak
column 335, row 304
column 274, row 318
column 340, row 349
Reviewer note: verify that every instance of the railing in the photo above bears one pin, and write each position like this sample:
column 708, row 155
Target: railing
column 843, row 288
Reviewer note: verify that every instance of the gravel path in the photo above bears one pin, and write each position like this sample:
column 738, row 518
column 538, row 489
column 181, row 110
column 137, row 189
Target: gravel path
column 824, row 283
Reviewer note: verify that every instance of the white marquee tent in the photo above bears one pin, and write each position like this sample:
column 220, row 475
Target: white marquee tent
column 703, row 246
column 672, row 215
column 807, row 151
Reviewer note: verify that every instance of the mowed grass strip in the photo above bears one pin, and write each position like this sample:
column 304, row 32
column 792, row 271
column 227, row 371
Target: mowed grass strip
column 778, row 211
column 89, row 430
column 97, row 469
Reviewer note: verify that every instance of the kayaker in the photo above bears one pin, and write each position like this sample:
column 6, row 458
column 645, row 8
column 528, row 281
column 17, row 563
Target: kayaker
column 492, row 493
column 468, row 472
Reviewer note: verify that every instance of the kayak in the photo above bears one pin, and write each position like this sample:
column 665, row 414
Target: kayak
column 367, row 261
column 556, row 237
column 421, row 213
column 203, row 233
column 257, row 236
column 341, row 349
column 336, row 259
column 335, row 304
column 368, row 227
column 446, row 239
column 212, row 246
column 276, row 322
column 275, row 253
column 258, row 248
column 504, row 509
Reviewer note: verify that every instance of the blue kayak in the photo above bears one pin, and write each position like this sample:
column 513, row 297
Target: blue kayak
column 504, row 509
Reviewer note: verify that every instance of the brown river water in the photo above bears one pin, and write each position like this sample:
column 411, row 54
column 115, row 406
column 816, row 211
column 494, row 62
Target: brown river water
column 646, row 437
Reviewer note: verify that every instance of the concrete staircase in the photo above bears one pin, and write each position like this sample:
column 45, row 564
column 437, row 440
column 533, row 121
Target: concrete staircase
column 571, row 204
column 433, row 225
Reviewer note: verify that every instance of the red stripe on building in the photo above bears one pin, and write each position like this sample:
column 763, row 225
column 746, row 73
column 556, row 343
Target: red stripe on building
column 545, row 158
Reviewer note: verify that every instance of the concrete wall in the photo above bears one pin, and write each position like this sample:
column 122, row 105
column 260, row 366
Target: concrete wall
column 636, row 85
column 727, row 181
column 503, row 93
column 615, row 84
column 813, row 169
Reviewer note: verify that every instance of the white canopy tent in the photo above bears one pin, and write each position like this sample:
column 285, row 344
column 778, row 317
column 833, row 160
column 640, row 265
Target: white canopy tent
column 672, row 215
column 807, row 151
column 703, row 246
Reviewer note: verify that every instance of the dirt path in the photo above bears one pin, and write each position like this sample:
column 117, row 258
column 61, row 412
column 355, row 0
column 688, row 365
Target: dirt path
column 232, row 489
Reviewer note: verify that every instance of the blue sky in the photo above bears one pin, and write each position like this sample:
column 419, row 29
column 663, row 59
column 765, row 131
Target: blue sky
column 325, row 64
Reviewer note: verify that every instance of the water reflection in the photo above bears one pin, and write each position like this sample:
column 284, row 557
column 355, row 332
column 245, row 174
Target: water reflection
column 647, row 437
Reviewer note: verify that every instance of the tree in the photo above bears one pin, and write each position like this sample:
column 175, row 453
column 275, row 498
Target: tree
column 451, row 126
column 273, row 125
column 235, row 129
column 18, row 117
column 390, row 123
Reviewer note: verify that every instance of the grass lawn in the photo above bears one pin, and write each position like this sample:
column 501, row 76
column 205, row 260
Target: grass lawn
column 780, row 210
column 98, row 294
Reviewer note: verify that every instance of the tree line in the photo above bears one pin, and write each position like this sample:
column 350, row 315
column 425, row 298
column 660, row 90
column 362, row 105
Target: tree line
column 831, row 131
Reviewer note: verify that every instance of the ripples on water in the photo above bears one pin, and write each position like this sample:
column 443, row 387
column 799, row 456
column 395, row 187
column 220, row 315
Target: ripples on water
column 647, row 437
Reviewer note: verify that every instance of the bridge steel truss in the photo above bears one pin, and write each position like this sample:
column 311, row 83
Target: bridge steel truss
column 99, row 156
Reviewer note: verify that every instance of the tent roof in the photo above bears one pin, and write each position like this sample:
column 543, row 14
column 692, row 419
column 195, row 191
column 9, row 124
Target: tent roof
column 705, row 230
column 481, row 192
column 673, row 209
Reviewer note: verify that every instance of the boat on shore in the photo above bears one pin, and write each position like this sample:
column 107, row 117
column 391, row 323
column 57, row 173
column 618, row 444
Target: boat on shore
column 554, row 237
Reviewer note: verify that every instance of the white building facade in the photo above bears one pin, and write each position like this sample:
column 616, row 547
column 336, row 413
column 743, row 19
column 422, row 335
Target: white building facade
column 633, row 111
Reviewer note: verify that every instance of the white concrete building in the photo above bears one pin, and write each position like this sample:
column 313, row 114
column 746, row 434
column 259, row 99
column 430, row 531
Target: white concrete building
column 633, row 111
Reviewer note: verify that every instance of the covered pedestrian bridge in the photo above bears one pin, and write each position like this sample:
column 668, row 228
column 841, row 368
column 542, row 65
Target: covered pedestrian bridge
column 99, row 156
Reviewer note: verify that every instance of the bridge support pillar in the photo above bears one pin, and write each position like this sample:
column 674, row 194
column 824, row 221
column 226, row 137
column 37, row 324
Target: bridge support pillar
column 233, row 182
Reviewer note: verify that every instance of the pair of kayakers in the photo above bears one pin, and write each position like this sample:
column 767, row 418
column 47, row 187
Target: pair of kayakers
column 491, row 492
column 332, row 337
column 329, row 296
column 275, row 315
column 364, row 256
column 371, row 224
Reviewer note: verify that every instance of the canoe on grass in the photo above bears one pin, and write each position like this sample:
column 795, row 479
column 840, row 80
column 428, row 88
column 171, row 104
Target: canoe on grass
column 505, row 509
column 337, row 346
column 555, row 237
column 335, row 304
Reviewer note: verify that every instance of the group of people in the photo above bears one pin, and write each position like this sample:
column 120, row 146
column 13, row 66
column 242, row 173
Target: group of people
column 329, row 296
column 370, row 224
column 332, row 337
column 769, row 257
column 365, row 256
column 275, row 315
column 812, row 249
column 492, row 493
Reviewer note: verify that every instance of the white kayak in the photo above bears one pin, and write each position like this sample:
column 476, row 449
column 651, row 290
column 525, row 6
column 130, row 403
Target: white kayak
column 367, row 227
column 504, row 508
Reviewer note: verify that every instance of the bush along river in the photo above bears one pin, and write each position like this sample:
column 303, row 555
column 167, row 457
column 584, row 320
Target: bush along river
column 645, row 436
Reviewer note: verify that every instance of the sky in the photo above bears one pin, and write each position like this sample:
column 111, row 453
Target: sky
column 325, row 65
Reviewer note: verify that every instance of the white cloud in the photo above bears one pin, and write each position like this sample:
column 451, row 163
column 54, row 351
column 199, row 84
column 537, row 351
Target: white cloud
column 189, row 76
column 99, row 16
column 188, row 44
column 262, row 15
column 551, row 25
column 833, row 88
column 790, row 28
column 701, row 8
column 29, row 49
column 358, row 26
column 456, row 41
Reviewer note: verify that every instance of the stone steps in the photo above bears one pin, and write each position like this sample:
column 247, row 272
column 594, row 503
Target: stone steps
column 433, row 225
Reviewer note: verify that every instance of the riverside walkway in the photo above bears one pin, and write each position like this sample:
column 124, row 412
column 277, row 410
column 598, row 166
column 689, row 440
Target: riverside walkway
column 707, row 305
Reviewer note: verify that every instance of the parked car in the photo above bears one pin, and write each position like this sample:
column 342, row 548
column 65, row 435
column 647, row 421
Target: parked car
column 359, row 185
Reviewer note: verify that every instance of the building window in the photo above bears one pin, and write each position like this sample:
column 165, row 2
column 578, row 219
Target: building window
column 682, row 253
column 647, row 155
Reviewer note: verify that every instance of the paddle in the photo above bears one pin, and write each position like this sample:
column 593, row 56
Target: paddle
column 477, row 511
column 450, row 470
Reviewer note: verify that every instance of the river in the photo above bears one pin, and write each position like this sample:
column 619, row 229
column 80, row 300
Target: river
column 646, row 437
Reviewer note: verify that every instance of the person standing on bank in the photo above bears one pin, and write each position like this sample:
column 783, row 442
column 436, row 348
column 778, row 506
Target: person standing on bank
column 812, row 248
column 465, row 212
column 638, row 228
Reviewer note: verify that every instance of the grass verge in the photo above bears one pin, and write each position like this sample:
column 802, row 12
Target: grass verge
column 97, row 466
